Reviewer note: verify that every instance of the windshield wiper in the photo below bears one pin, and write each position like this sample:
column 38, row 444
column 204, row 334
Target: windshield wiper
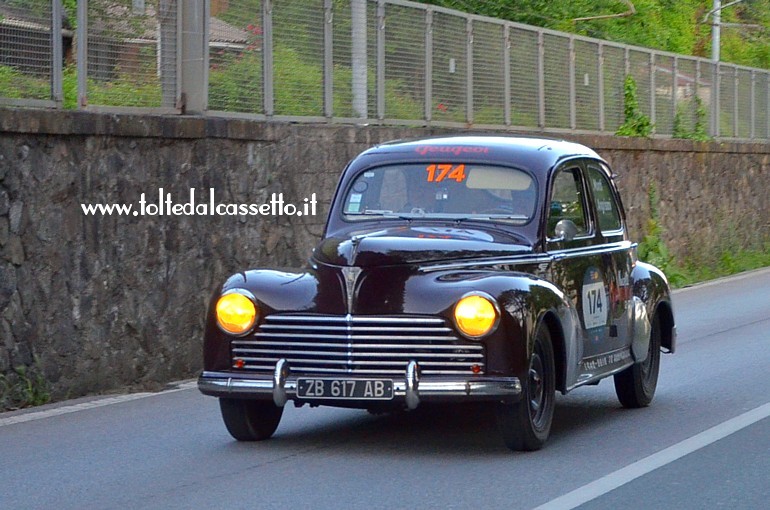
column 515, row 217
column 370, row 212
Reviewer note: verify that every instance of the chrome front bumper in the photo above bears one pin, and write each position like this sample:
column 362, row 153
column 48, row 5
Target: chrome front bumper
column 282, row 386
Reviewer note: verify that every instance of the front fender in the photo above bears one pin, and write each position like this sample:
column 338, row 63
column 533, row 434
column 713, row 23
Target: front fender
column 525, row 302
column 275, row 291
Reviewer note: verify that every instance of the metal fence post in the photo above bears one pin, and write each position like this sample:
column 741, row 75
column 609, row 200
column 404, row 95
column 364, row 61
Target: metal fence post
column 469, row 72
column 195, row 39
column 267, row 57
column 600, row 66
column 674, row 90
column 178, row 102
column 169, row 52
column 428, row 64
column 752, row 102
column 653, row 96
column 82, row 53
column 540, row 79
column 359, row 59
column 572, row 93
column 627, row 61
column 507, row 74
column 715, row 99
column 696, row 89
column 381, row 59
column 328, row 60
column 736, row 84
column 56, row 44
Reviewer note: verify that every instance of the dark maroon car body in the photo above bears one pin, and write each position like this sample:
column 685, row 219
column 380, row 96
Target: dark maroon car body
column 375, row 304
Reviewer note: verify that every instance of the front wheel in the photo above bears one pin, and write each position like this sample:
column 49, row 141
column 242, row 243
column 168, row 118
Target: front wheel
column 635, row 386
column 525, row 425
column 250, row 420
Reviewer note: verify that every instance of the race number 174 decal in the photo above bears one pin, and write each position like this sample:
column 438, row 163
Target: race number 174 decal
column 594, row 299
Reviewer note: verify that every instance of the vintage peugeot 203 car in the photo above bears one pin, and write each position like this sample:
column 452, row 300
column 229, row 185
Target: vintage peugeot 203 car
column 456, row 269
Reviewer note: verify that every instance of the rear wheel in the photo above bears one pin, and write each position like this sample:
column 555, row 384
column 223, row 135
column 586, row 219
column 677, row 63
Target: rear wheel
column 525, row 425
column 635, row 386
column 250, row 420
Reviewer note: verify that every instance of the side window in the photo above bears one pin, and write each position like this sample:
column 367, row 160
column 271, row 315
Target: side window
column 604, row 201
column 567, row 201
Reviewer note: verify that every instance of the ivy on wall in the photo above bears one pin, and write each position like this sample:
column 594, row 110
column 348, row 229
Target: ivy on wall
column 635, row 122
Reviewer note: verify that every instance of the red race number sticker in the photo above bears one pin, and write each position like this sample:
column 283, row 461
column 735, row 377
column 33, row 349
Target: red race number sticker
column 437, row 173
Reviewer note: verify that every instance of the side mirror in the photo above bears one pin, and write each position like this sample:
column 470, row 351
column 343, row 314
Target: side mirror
column 565, row 230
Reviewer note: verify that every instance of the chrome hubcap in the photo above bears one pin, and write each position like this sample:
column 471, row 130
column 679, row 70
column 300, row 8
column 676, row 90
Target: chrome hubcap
column 536, row 390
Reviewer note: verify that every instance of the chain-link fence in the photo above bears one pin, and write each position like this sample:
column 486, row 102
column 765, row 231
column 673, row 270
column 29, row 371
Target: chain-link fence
column 30, row 62
column 373, row 61
column 127, row 53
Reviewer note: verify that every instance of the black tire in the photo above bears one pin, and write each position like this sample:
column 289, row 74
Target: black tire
column 635, row 386
column 250, row 420
column 525, row 425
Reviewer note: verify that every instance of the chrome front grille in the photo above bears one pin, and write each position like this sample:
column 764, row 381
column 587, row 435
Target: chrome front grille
column 329, row 345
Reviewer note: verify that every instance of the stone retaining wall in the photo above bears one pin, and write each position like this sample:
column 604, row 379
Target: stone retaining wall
column 108, row 301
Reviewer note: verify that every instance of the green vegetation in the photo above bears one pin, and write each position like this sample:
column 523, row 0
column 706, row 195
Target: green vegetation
column 635, row 122
column 699, row 132
column 652, row 249
column 24, row 387
column 17, row 85
column 691, row 271
column 235, row 84
column 669, row 25
column 730, row 262
column 728, row 258
column 123, row 91
column 70, row 8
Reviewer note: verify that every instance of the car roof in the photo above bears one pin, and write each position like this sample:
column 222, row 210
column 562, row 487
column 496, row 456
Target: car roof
column 534, row 153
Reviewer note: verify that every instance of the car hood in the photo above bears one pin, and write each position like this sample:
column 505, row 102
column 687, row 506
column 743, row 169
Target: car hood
column 417, row 244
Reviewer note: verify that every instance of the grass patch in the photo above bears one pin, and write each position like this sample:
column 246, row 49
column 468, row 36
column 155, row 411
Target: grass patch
column 729, row 263
column 24, row 387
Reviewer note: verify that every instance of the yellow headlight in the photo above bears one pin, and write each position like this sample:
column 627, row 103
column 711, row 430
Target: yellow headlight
column 236, row 313
column 475, row 315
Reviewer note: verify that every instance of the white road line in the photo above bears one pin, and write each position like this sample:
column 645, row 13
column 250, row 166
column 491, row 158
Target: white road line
column 93, row 404
column 633, row 471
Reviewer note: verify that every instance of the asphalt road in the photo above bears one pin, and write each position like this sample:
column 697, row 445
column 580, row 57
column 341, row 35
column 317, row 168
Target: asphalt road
column 704, row 442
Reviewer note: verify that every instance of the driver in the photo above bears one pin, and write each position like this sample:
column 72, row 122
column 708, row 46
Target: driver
column 422, row 199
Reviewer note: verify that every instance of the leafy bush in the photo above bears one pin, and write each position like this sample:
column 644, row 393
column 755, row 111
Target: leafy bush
column 636, row 123
column 699, row 132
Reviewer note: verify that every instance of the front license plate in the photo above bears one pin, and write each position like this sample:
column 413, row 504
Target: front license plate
column 358, row 389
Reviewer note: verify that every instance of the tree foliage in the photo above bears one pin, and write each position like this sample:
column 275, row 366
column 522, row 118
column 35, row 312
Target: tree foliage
column 669, row 25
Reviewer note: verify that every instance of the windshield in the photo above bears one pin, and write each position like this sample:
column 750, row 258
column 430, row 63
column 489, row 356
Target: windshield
column 443, row 191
